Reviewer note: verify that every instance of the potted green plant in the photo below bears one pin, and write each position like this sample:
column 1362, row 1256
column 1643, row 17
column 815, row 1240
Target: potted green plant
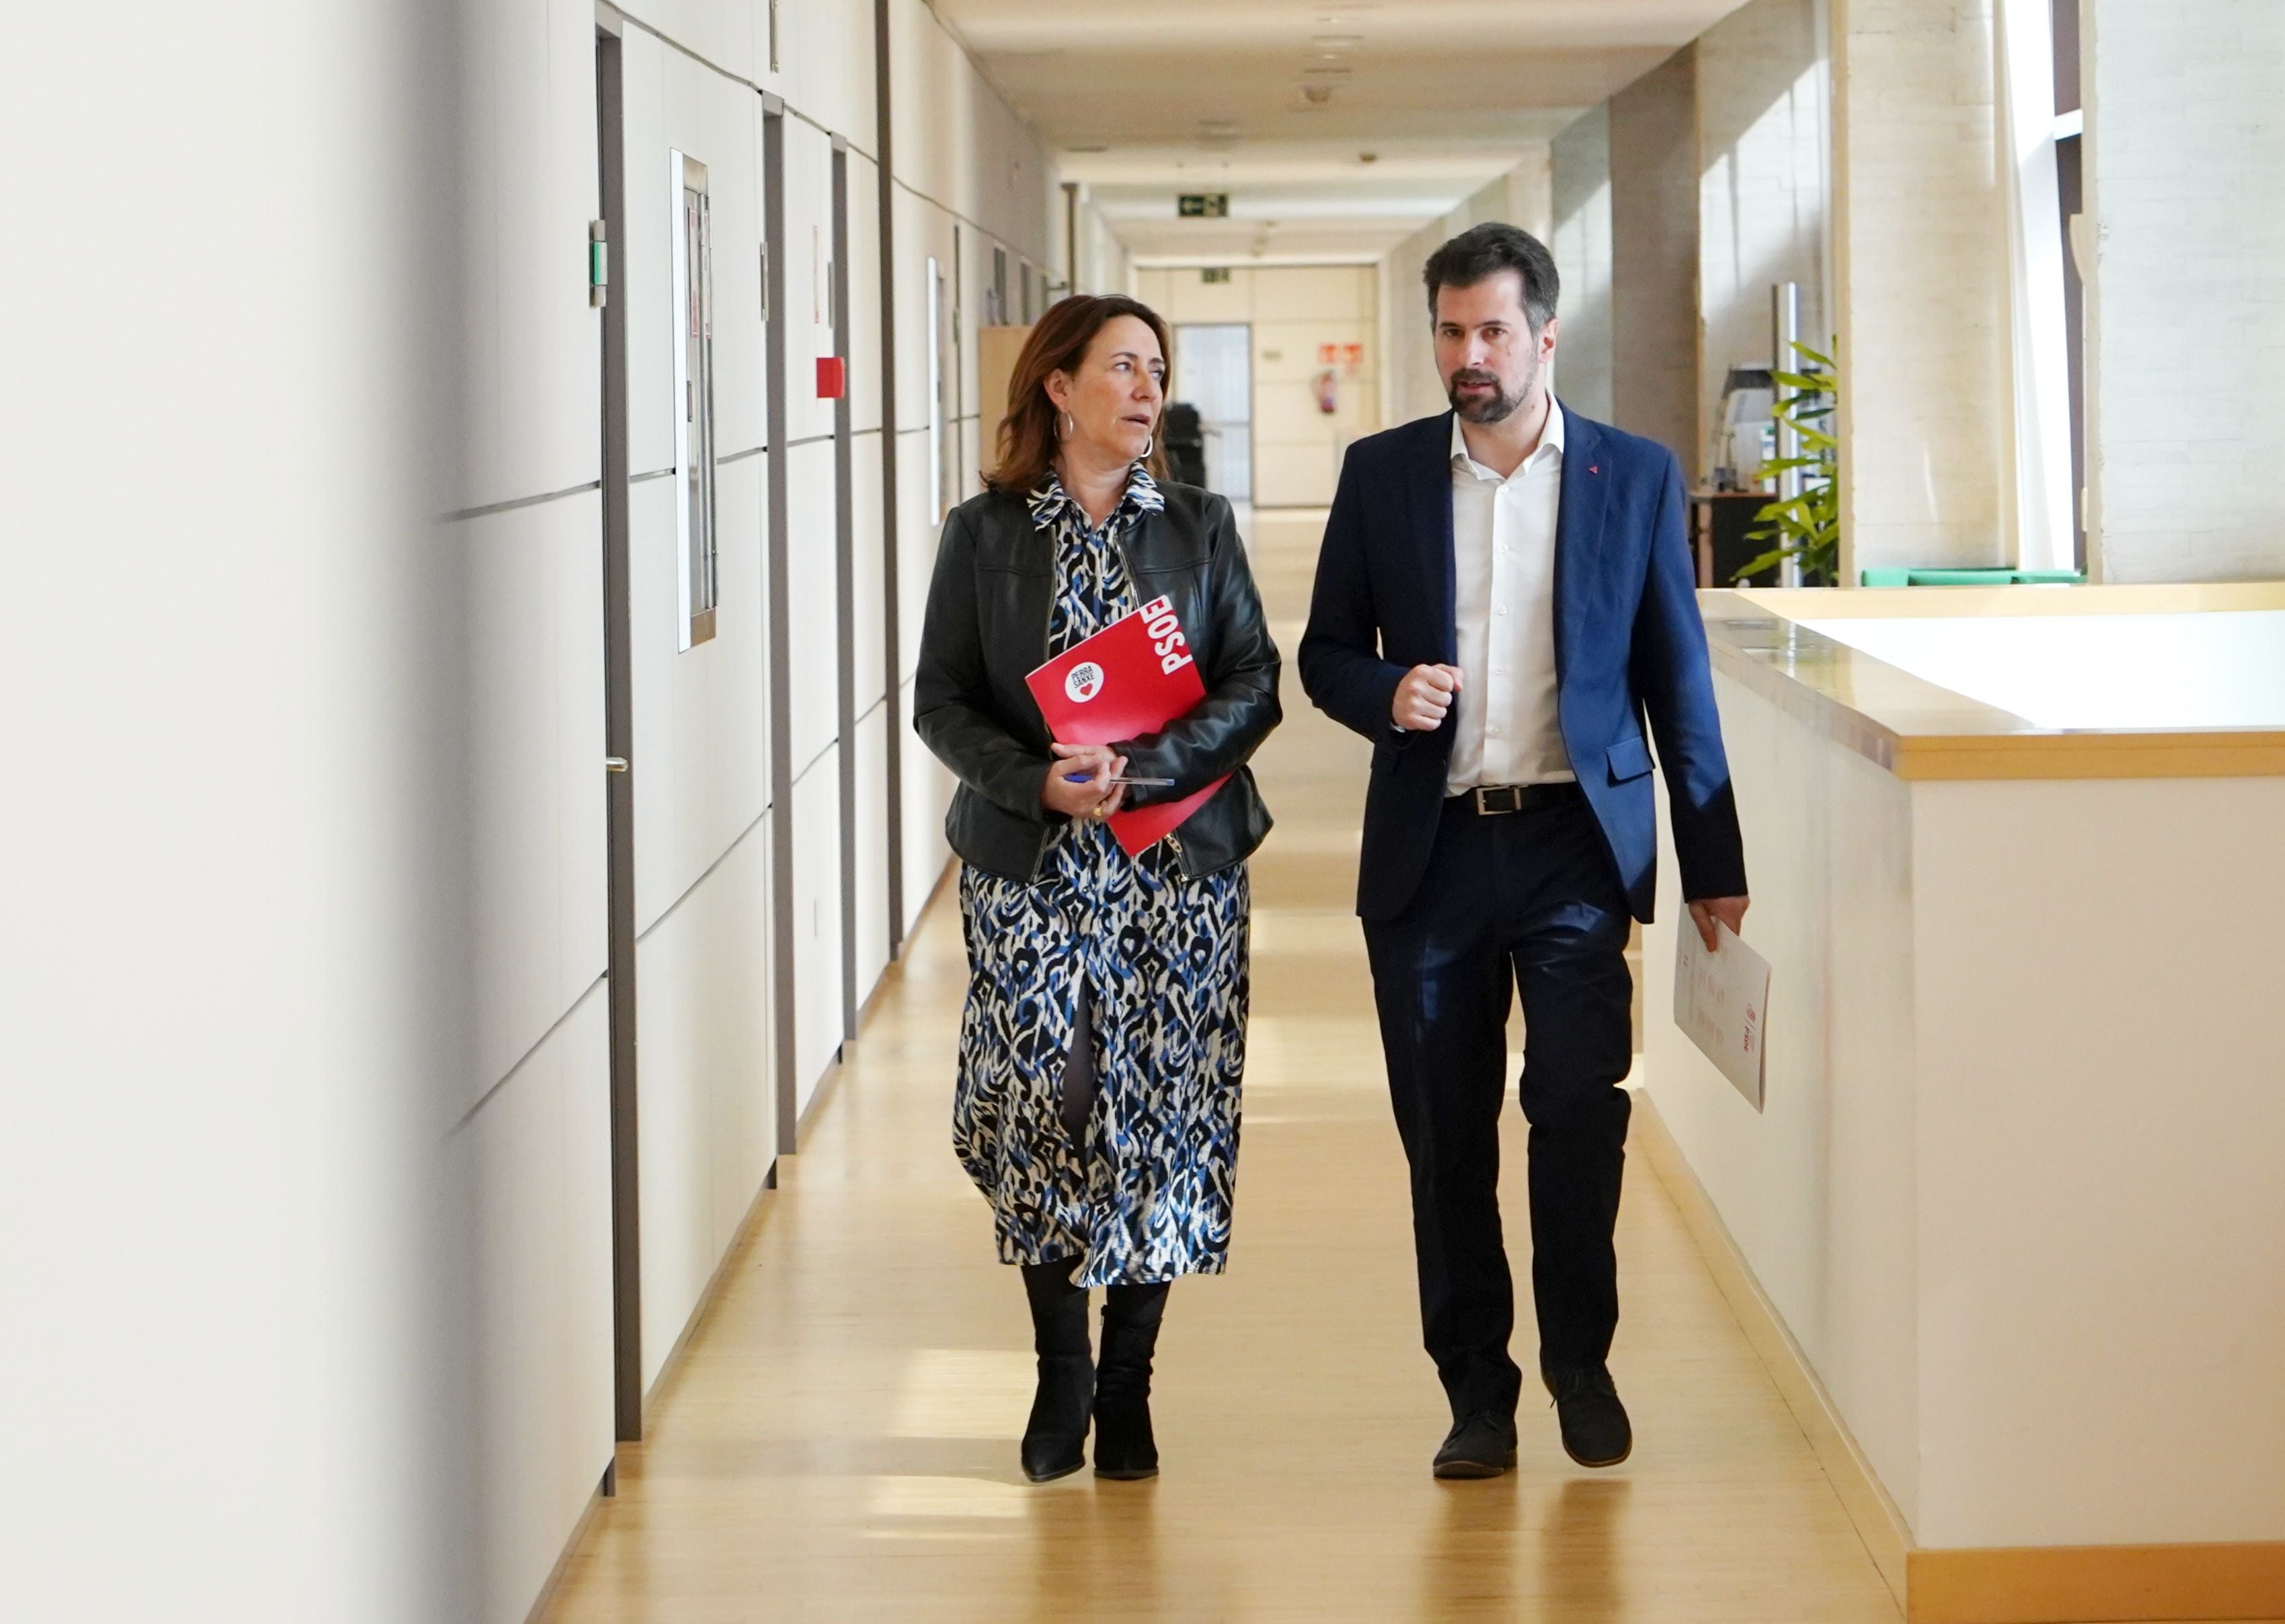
column 1806, row 527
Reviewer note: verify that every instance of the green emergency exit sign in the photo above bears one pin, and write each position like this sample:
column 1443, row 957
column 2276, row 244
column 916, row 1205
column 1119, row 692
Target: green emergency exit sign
column 1203, row 205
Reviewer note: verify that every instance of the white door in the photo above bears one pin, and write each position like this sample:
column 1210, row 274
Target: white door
column 1214, row 370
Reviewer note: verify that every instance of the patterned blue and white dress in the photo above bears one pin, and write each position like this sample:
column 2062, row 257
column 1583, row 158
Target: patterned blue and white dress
column 1148, row 1196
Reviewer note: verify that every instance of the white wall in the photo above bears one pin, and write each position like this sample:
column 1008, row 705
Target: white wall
column 1819, row 1189
column 234, row 972
column 1105, row 264
column 969, row 175
column 2011, row 1172
column 533, row 1132
column 2101, row 1204
column 1294, row 310
column 1412, row 388
column 2186, row 304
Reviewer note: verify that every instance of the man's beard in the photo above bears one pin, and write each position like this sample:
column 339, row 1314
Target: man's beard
column 1494, row 408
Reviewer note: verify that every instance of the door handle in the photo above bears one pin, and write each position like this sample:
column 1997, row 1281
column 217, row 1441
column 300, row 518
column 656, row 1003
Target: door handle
column 615, row 764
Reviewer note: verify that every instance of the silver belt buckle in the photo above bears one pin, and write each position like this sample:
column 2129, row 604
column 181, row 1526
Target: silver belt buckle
column 1483, row 794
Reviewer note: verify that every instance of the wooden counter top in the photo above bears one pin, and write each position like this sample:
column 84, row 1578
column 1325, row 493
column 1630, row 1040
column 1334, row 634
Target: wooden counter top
column 1918, row 730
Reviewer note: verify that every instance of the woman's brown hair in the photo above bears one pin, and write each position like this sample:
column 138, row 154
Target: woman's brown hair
column 1058, row 343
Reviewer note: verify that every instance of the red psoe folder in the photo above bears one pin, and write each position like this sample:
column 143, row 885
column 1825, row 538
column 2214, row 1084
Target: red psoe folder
column 1130, row 678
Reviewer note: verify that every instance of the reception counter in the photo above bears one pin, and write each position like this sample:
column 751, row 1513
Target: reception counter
column 2011, row 1225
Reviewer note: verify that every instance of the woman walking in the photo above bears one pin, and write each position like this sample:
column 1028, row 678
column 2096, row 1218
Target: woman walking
column 1100, row 1053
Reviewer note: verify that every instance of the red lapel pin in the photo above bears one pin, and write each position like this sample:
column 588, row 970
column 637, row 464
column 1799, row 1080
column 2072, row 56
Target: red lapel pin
column 1594, row 468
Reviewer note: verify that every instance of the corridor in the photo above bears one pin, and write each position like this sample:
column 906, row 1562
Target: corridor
column 838, row 1438
column 480, row 982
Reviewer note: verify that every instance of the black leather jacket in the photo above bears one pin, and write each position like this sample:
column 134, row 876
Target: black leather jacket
column 987, row 627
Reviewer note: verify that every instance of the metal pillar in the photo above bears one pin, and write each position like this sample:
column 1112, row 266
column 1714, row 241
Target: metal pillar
column 1785, row 332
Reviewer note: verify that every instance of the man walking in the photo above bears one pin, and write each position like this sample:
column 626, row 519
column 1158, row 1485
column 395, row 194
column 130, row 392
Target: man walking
column 1504, row 595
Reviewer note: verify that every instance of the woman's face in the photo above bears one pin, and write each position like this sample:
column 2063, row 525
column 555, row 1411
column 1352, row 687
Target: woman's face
column 1114, row 398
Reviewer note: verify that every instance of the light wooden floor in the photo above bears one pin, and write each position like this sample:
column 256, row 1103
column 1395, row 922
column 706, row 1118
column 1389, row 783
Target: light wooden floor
column 839, row 1441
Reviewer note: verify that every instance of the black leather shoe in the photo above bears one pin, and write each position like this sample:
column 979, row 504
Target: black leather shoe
column 1480, row 1444
column 1054, row 1438
column 1596, row 1431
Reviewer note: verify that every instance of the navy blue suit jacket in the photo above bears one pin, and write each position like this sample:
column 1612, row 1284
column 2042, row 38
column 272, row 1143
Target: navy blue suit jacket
column 1630, row 646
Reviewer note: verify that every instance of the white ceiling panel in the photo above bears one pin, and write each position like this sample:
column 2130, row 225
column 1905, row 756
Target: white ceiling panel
column 1343, row 121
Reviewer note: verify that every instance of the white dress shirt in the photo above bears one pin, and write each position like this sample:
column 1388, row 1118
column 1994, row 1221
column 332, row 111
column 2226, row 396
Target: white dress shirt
column 1507, row 731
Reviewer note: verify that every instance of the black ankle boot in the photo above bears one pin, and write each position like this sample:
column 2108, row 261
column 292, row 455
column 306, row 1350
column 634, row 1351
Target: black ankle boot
column 1054, row 1438
column 1124, row 1447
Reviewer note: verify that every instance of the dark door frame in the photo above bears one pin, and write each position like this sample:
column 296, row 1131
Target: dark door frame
column 777, row 550
column 618, row 744
column 891, row 628
column 844, row 572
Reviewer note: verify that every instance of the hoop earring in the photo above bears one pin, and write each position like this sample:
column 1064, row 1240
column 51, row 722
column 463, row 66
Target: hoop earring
column 1150, row 445
column 1068, row 426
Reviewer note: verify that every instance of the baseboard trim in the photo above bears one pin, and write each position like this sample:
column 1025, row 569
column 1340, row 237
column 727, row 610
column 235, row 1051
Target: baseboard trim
column 2046, row 1584
column 1878, row 1523
column 936, row 895
column 742, row 1240
column 748, row 1228
column 556, row 1574
column 2096, row 1584
column 819, row 1095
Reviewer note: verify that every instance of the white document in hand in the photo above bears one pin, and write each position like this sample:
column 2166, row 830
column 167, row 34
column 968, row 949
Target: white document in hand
column 1722, row 1000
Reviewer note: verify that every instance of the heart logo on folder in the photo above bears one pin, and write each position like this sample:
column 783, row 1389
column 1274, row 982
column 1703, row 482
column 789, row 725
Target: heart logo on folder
column 1126, row 682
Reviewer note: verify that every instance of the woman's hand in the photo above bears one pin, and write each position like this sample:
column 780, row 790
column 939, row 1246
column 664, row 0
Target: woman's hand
column 1078, row 784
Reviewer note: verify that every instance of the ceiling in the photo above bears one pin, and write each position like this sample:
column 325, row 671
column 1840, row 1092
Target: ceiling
column 1336, row 127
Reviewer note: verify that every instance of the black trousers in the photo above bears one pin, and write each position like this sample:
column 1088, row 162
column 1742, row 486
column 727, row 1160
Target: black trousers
column 1525, row 902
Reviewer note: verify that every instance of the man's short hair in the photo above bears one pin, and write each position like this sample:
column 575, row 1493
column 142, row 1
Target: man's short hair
column 1484, row 251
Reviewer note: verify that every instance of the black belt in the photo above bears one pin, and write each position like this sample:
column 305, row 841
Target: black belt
column 1497, row 800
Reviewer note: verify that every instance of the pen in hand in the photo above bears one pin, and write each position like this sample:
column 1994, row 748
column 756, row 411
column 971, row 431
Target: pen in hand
column 1145, row 783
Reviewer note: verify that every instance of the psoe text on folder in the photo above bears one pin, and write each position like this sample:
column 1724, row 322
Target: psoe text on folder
column 1126, row 681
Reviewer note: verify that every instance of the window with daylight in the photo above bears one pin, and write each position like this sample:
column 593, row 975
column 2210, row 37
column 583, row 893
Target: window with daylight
column 693, row 398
